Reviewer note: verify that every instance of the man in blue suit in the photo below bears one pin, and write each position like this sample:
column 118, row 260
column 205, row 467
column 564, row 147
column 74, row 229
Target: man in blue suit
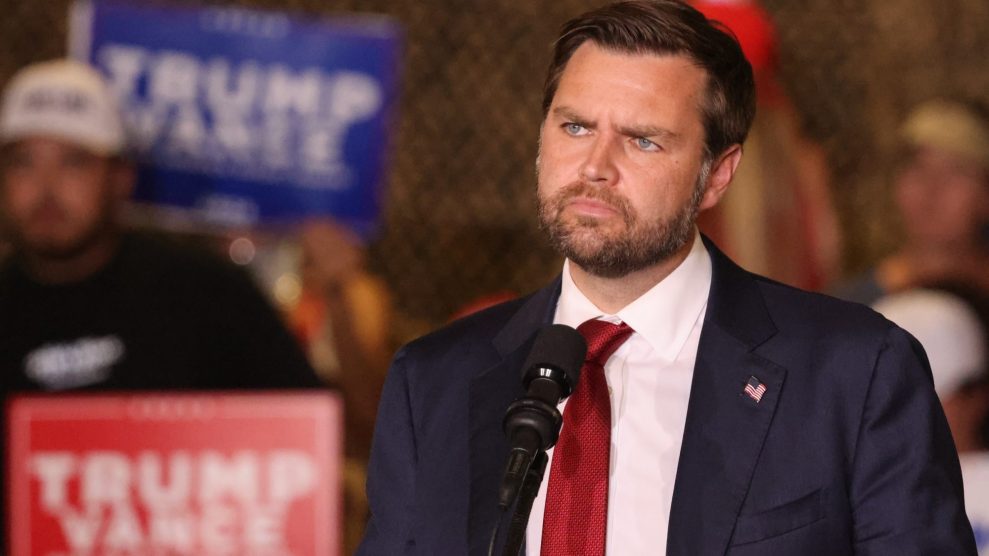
column 743, row 416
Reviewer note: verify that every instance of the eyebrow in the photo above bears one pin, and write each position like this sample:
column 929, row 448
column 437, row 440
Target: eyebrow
column 570, row 114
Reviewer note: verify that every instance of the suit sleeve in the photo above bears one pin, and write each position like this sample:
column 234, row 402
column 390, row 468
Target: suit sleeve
column 391, row 470
column 906, row 486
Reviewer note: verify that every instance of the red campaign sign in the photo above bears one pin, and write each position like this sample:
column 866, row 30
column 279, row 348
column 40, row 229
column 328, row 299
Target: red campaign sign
column 168, row 475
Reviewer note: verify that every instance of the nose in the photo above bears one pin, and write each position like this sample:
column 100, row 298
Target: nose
column 599, row 164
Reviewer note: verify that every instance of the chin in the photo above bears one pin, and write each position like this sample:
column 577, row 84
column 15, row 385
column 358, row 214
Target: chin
column 594, row 230
column 51, row 247
column 603, row 267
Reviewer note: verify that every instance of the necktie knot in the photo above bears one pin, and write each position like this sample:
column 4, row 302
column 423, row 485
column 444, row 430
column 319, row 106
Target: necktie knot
column 603, row 338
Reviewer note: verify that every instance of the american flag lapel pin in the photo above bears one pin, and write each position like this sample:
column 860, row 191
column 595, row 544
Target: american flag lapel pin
column 754, row 389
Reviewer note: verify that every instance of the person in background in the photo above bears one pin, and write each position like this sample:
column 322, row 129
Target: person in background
column 343, row 318
column 951, row 327
column 941, row 193
column 86, row 304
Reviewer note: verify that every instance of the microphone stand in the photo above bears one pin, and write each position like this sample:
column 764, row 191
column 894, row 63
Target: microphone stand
column 532, row 424
column 527, row 494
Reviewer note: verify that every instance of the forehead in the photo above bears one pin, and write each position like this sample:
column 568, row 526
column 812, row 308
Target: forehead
column 944, row 160
column 49, row 145
column 632, row 85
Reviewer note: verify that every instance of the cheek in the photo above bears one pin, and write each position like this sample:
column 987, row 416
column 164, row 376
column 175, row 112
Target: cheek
column 650, row 206
column 18, row 195
column 84, row 192
column 965, row 207
column 549, row 171
column 911, row 197
column 655, row 190
column 559, row 153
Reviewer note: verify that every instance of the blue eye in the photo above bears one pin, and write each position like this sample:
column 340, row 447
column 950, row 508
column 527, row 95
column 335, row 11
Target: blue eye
column 645, row 144
column 574, row 129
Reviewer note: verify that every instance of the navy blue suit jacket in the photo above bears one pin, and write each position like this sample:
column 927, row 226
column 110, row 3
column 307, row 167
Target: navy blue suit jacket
column 848, row 451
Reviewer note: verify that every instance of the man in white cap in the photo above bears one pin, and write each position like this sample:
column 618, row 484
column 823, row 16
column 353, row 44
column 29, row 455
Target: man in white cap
column 941, row 193
column 64, row 176
column 85, row 304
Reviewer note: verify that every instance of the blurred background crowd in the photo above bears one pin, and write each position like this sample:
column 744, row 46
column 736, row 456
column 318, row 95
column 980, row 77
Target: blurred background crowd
column 866, row 176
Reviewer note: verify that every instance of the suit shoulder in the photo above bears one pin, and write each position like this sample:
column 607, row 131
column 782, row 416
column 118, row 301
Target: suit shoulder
column 828, row 344
column 441, row 364
column 820, row 314
column 466, row 333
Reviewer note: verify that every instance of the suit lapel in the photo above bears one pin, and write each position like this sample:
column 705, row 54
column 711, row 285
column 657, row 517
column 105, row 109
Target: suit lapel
column 490, row 394
column 725, row 428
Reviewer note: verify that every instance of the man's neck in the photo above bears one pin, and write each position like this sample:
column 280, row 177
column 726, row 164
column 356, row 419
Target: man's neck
column 71, row 269
column 614, row 294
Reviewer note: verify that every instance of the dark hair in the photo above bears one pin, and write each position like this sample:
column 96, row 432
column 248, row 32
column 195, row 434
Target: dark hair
column 670, row 27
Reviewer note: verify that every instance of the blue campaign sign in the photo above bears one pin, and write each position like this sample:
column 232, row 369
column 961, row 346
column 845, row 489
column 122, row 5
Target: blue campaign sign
column 240, row 116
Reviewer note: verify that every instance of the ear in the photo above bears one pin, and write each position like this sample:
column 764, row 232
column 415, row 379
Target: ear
column 722, row 171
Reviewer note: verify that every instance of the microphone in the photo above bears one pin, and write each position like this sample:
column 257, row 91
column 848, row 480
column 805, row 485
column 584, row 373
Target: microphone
column 532, row 423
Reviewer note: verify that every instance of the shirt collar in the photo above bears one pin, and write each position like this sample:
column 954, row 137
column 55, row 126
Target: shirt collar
column 663, row 316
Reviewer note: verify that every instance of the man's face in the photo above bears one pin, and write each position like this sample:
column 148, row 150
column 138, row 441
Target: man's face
column 56, row 198
column 621, row 168
column 943, row 198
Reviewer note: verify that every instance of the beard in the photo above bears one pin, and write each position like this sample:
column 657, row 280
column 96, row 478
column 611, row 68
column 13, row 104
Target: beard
column 641, row 244
column 66, row 239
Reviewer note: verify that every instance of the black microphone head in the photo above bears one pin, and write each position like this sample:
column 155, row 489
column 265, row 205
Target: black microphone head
column 559, row 348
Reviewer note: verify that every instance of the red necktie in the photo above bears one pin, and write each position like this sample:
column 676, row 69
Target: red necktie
column 576, row 517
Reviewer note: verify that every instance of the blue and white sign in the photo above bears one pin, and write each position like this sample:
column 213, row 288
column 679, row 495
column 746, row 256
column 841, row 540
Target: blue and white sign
column 242, row 116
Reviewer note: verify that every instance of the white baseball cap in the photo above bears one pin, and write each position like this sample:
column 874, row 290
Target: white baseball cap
column 949, row 329
column 948, row 126
column 64, row 99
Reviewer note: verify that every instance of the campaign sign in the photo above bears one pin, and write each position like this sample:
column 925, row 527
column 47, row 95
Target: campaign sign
column 240, row 116
column 203, row 475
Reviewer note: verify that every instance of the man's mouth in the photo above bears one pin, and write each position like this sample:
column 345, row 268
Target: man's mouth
column 596, row 208
column 46, row 214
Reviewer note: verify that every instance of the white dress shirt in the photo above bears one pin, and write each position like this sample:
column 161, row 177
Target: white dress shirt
column 649, row 380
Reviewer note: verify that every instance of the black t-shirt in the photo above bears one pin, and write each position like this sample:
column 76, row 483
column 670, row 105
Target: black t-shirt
column 158, row 316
